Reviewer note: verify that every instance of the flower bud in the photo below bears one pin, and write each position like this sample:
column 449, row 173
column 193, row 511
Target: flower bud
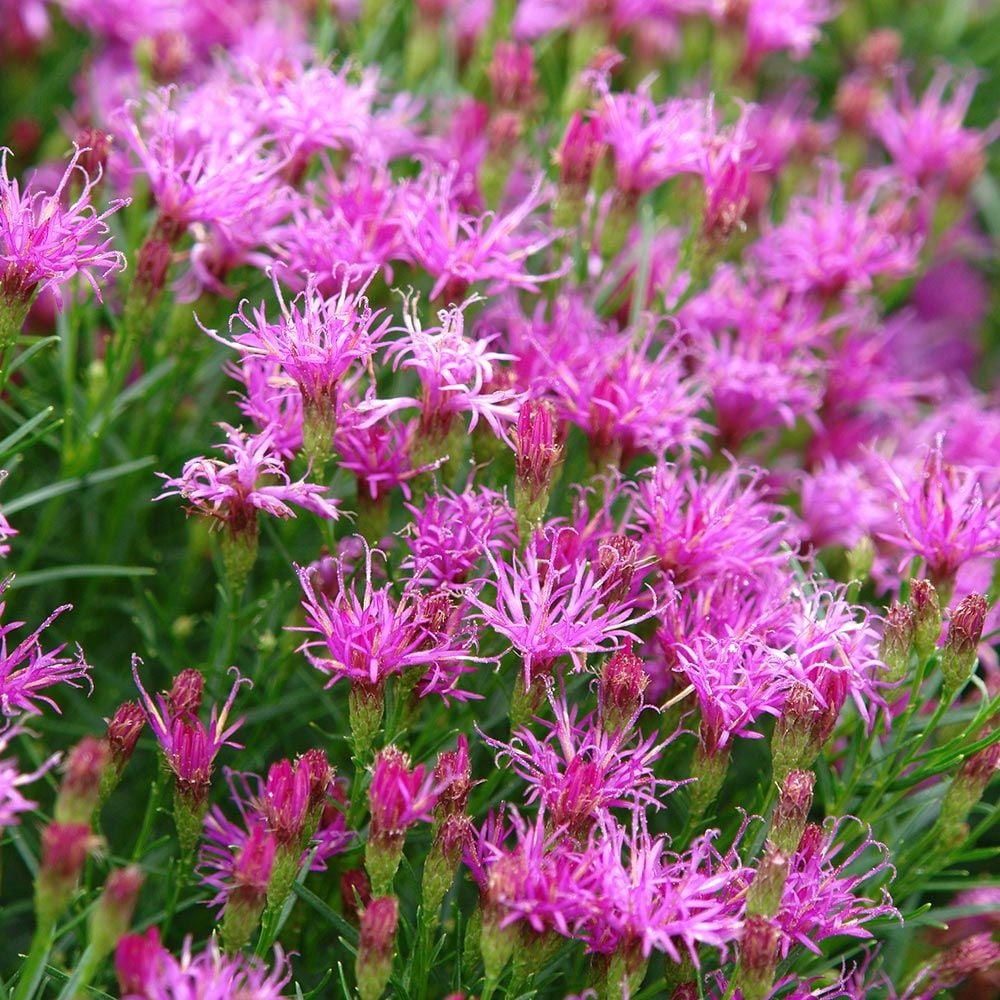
column 137, row 958
column 376, row 946
column 316, row 765
column 965, row 629
column 620, row 695
column 926, row 617
column 578, row 156
column 65, row 847
column 450, row 841
column 111, row 916
column 686, row 991
column 453, row 778
column 793, row 807
column 967, row 788
column 538, row 451
column 758, row 956
column 897, row 641
column 764, row 895
column 974, row 954
column 123, row 732
column 512, row 76
column 355, row 892
column 617, row 558
column 95, row 145
column 251, row 875
column 81, row 783
column 799, row 734
column 152, row 265
column 709, row 770
column 880, row 51
column 186, row 693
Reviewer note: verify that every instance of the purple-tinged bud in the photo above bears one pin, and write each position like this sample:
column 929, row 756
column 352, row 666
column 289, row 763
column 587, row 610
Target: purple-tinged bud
column 80, row 788
column 94, row 145
column 538, row 451
column 452, row 838
column 617, row 558
column 620, row 695
column 799, row 734
column 171, row 55
column 686, row 991
column 879, row 52
column 123, row 732
column 965, row 165
column 186, row 693
column 137, row 959
column 758, row 956
column 398, row 798
column 966, row 789
column 248, row 895
column 355, row 892
column 897, row 641
column 792, row 810
column 285, row 802
column 316, row 766
column 764, row 895
column 65, row 847
column 366, row 706
column 958, row 655
column 112, row 915
column 152, row 264
column 376, row 946
column 581, row 150
column 854, row 101
column 512, row 76
column 975, row 954
column 453, row 779
column 926, row 610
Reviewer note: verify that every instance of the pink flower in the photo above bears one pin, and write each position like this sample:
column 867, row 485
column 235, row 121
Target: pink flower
column 948, row 514
column 547, row 612
column 926, row 139
column 43, row 244
column 828, row 244
column 399, row 797
column 232, row 492
column 147, row 971
column 459, row 249
column 12, row 802
column 780, row 25
column 578, row 772
column 448, row 536
column 455, row 372
column 370, row 637
column 27, row 670
column 189, row 747
column 820, row 896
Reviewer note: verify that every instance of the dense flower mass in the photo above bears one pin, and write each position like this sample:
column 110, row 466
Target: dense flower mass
column 592, row 591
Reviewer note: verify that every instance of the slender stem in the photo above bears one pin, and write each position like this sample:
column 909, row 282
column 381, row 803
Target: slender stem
column 89, row 963
column 147, row 820
column 34, row 964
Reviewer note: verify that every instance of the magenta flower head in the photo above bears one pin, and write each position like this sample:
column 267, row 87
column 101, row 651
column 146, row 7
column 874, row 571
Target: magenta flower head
column 43, row 243
column 828, row 244
column 232, row 492
column 189, row 750
column 926, row 138
column 12, row 802
column 547, row 611
column 316, row 342
column 146, row 969
column 947, row 515
column 399, row 797
column 781, row 26
column 27, row 670
column 820, row 897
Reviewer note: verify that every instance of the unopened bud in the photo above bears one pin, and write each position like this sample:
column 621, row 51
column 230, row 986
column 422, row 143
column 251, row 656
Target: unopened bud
column 758, row 956
column 65, row 847
column 453, row 776
column 853, row 102
column 538, row 451
column 376, row 946
column 617, row 558
column 450, row 841
column 152, row 264
column 967, row 789
column 355, row 892
column 578, row 156
column 764, row 895
column 792, row 811
column 512, row 76
column 81, row 783
column 799, row 734
column 94, row 145
column 897, row 641
column 186, row 693
column 247, row 898
column 965, row 629
column 926, row 617
column 880, row 51
column 112, row 915
column 123, row 732
column 974, row 954
column 623, row 683
column 366, row 705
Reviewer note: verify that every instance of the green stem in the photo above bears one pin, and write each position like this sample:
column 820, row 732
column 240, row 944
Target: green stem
column 89, row 963
column 35, row 962
column 147, row 820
